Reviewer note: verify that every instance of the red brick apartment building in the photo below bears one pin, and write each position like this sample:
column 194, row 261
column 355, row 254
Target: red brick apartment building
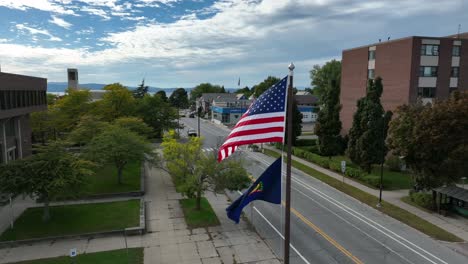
column 412, row 68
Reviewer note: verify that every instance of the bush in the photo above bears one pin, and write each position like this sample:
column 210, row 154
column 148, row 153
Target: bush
column 393, row 163
column 354, row 173
column 306, row 142
column 371, row 180
column 422, row 199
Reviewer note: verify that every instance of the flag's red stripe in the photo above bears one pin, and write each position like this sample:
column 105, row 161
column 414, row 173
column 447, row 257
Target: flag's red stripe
column 251, row 141
column 255, row 131
column 260, row 121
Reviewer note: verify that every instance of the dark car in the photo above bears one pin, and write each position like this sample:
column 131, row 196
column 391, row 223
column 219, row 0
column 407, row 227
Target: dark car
column 192, row 115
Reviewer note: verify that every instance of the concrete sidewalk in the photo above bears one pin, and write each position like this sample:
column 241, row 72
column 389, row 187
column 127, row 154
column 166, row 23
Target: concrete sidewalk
column 455, row 225
column 168, row 240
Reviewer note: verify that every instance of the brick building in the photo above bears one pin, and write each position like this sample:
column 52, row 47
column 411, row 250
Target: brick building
column 412, row 68
column 19, row 96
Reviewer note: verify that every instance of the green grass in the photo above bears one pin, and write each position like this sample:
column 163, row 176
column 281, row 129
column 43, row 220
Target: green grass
column 104, row 181
column 389, row 209
column 135, row 256
column 198, row 218
column 75, row 219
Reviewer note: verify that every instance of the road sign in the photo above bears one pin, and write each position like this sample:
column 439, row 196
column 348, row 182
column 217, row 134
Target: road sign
column 343, row 166
column 73, row 252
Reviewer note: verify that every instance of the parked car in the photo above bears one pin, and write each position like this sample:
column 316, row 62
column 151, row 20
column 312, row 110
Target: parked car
column 192, row 133
column 192, row 115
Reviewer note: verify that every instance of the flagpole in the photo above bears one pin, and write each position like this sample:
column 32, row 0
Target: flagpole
column 287, row 213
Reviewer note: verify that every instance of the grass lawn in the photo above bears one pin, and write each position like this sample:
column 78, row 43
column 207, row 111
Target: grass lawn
column 75, row 219
column 135, row 256
column 198, row 218
column 389, row 209
column 105, row 180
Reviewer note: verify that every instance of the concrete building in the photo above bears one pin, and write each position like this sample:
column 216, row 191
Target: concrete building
column 412, row 68
column 72, row 76
column 19, row 96
column 228, row 111
column 206, row 99
column 307, row 105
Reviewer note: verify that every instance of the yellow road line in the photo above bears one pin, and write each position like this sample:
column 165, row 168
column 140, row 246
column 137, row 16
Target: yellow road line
column 322, row 233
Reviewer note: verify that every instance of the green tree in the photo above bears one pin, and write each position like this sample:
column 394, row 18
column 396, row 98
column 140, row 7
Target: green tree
column 68, row 110
column 297, row 122
column 141, row 90
column 162, row 94
column 158, row 114
column 366, row 144
column 204, row 88
column 117, row 102
column 88, row 127
column 321, row 76
column 43, row 126
column 50, row 174
column 118, row 146
column 134, row 124
column 433, row 140
column 264, row 85
column 328, row 126
column 194, row 173
column 179, row 98
column 246, row 91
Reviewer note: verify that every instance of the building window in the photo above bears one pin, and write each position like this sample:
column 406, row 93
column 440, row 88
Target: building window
column 225, row 118
column 371, row 54
column 426, row 92
column 455, row 72
column 430, row 50
column 370, row 74
column 456, row 51
column 428, row 71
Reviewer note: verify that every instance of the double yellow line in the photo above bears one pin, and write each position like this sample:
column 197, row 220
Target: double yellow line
column 322, row 233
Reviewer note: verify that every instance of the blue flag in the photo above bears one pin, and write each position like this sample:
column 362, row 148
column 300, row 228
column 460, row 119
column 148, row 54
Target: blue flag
column 267, row 188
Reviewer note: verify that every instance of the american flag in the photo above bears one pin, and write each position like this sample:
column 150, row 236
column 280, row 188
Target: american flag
column 263, row 122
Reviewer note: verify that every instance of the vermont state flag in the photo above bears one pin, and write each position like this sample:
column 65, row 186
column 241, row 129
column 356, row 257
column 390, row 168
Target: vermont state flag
column 267, row 188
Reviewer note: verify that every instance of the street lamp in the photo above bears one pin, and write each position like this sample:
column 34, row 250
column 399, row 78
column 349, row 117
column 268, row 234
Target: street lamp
column 198, row 115
column 379, row 204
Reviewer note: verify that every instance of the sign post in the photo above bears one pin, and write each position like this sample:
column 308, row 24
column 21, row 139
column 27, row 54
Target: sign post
column 73, row 254
column 343, row 168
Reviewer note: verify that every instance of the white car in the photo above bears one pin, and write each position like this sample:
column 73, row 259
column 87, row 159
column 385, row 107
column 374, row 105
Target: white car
column 192, row 133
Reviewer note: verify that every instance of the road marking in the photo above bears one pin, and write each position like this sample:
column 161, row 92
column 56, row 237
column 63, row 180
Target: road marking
column 366, row 220
column 279, row 233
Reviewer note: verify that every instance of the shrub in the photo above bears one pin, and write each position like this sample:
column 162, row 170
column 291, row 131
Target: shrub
column 306, row 142
column 422, row 199
column 354, row 173
column 335, row 166
column 371, row 180
column 393, row 163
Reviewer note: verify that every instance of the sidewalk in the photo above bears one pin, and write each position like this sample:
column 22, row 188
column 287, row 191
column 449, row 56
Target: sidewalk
column 454, row 225
column 168, row 239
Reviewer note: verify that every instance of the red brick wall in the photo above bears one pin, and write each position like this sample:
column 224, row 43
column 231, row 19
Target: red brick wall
column 353, row 83
column 463, row 77
column 445, row 66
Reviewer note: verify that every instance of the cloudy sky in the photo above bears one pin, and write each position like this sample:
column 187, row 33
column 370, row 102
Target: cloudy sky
column 181, row 43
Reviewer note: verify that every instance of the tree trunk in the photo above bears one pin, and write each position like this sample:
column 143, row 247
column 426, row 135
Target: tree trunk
column 46, row 214
column 198, row 199
column 119, row 174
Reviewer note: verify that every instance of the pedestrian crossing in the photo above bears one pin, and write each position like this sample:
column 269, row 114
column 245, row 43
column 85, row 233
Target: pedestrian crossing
column 206, row 150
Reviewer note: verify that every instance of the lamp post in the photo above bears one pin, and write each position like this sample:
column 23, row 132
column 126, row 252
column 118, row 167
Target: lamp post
column 198, row 117
column 379, row 204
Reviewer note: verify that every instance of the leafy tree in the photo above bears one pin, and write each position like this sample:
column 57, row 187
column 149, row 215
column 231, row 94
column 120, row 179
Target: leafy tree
column 43, row 126
column 141, row 90
column 88, row 127
column 433, row 140
column 179, row 98
column 366, row 144
column 322, row 75
column 51, row 99
column 68, row 110
column 134, row 124
column 117, row 102
column 194, row 173
column 264, row 85
column 297, row 122
column 162, row 94
column 245, row 91
column 158, row 114
column 328, row 126
column 50, row 174
column 204, row 88
column 118, row 146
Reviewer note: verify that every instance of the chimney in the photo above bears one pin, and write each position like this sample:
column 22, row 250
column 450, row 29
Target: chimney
column 72, row 78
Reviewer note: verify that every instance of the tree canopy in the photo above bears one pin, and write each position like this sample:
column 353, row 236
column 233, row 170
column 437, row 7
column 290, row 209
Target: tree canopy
column 141, row 90
column 264, row 85
column 179, row 98
column 246, row 91
column 117, row 102
column 366, row 144
column 205, row 88
column 158, row 114
column 162, row 94
column 433, row 140
column 321, row 76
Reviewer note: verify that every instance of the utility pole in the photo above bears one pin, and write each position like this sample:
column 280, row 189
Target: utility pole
column 199, row 110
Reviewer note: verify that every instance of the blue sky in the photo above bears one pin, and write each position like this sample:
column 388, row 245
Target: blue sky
column 175, row 43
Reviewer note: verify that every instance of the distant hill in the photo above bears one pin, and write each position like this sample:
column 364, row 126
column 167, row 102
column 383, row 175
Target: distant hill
column 55, row 87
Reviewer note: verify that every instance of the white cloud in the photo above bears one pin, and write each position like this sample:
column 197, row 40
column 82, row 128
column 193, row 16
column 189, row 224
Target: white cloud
column 36, row 31
column 44, row 5
column 60, row 22
column 87, row 31
column 135, row 18
column 96, row 12
column 3, row 40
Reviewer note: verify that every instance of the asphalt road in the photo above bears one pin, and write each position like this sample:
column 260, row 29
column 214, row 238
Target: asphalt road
column 328, row 226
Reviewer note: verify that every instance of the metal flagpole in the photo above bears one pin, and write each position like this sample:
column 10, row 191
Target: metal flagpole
column 287, row 227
